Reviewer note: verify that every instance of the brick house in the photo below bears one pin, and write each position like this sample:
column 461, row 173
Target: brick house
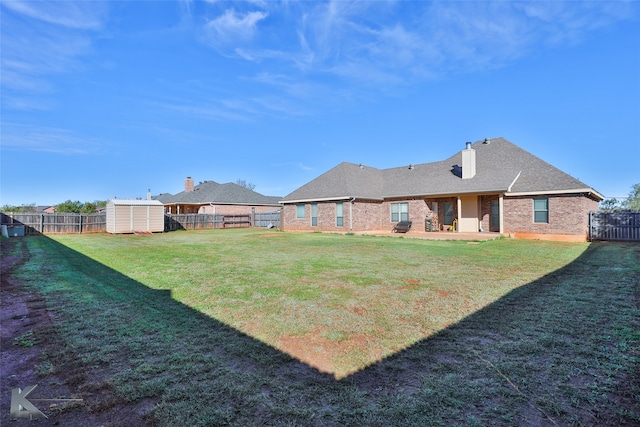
column 212, row 198
column 491, row 186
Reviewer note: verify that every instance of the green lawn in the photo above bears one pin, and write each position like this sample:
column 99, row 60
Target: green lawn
column 320, row 329
column 353, row 300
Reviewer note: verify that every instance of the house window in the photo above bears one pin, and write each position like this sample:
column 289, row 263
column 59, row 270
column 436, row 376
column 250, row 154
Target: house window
column 299, row 211
column 399, row 212
column 495, row 214
column 541, row 210
column 314, row 214
column 339, row 214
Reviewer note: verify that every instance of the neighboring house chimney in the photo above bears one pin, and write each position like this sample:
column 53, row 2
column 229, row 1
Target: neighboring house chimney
column 149, row 194
column 468, row 162
column 188, row 184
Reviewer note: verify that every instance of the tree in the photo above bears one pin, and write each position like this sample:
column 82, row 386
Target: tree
column 23, row 208
column 611, row 204
column 245, row 184
column 88, row 207
column 633, row 200
column 69, row 207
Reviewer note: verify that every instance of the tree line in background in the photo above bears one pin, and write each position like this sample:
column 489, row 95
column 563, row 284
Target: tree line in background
column 65, row 207
column 632, row 202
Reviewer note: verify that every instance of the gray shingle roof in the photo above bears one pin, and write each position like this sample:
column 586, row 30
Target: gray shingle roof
column 212, row 192
column 501, row 167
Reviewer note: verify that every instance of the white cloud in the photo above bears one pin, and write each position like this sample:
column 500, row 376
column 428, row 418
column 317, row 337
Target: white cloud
column 43, row 39
column 22, row 137
column 83, row 15
column 397, row 42
column 232, row 29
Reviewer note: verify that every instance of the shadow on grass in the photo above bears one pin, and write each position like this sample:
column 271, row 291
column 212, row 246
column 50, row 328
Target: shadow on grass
column 558, row 351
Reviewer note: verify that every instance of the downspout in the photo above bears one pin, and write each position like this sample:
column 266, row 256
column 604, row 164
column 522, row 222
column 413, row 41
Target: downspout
column 353, row 199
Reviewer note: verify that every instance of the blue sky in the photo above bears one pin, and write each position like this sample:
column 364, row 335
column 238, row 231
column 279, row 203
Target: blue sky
column 103, row 100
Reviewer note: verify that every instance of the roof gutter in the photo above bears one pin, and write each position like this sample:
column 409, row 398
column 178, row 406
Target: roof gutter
column 325, row 199
column 221, row 203
column 574, row 191
column 446, row 194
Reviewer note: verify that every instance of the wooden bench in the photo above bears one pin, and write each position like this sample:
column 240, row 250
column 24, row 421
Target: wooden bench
column 402, row 227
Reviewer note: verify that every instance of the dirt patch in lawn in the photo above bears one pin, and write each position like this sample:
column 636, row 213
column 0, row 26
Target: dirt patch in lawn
column 32, row 354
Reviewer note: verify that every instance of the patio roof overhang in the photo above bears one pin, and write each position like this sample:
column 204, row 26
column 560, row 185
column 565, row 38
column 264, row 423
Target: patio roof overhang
column 588, row 191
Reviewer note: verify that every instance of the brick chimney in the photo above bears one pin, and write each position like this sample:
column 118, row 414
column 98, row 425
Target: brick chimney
column 468, row 162
column 188, row 184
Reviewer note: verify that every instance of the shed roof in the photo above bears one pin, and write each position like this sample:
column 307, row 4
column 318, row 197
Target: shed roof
column 135, row 202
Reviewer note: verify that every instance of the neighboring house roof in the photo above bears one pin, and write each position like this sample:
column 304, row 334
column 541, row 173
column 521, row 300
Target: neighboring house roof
column 163, row 197
column 212, row 192
column 501, row 167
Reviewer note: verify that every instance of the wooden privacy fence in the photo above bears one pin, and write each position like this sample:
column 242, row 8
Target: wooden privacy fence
column 269, row 219
column 614, row 225
column 59, row 223
column 37, row 223
column 174, row 222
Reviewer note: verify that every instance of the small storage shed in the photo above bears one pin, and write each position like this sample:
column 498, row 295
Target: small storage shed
column 133, row 216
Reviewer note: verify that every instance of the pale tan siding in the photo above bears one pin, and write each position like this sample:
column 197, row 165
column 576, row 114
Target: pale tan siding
column 125, row 216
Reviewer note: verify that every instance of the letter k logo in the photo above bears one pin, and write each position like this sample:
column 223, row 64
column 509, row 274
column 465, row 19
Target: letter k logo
column 21, row 407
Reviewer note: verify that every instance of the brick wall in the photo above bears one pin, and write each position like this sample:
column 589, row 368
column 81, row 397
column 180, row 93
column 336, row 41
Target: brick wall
column 367, row 215
column 327, row 220
column 568, row 215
